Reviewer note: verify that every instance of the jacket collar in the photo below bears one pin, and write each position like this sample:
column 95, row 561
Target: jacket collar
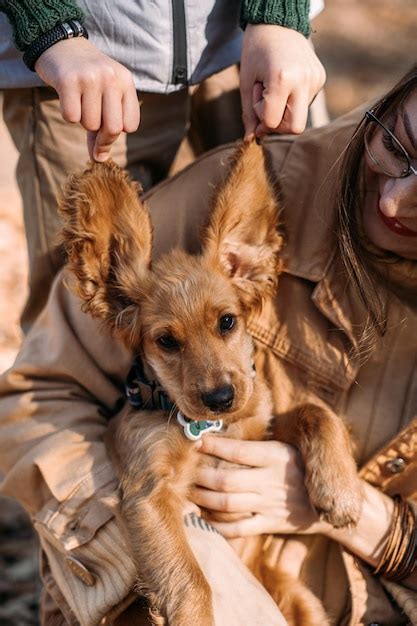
column 310, row 214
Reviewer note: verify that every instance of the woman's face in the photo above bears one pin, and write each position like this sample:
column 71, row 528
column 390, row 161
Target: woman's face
column 390, row 206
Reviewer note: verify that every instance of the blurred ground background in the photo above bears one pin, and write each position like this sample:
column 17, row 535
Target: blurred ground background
column 365, row 45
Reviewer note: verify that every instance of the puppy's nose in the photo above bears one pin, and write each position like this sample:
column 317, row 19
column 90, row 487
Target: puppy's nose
column 219, row 399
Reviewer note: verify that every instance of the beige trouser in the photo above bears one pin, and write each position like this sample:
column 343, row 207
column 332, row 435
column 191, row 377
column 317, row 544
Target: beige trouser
column 50, row 149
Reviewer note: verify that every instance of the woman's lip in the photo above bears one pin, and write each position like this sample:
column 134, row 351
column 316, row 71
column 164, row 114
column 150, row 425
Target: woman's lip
column 393, row 224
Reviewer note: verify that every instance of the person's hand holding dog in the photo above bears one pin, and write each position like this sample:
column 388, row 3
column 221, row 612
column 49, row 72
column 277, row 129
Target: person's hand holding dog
column 280, row 75
column 270, row 496
column 269, row 493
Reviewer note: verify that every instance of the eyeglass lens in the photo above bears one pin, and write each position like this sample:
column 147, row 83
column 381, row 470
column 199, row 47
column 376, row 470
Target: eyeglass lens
column 386, row 151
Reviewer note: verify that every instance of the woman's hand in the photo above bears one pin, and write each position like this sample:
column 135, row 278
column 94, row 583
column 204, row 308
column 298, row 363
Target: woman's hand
column 269, row 493
column 271, row 497
column 280, row 75
column 93, row 90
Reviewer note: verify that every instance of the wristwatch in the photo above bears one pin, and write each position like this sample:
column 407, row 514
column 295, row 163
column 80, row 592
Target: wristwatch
column 66, row 30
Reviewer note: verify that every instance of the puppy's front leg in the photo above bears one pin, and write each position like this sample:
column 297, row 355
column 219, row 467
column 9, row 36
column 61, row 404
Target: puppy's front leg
column 330, row 471
column 155, row 464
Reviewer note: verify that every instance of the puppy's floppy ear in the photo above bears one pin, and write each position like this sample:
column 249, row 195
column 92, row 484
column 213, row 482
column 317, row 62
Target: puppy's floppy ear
column 108, row 240
column 243, row 233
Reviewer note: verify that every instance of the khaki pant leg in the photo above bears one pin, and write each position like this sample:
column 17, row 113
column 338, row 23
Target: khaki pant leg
column 164, row 123
column 216, row 111
column 215, row 116
column 50, row 149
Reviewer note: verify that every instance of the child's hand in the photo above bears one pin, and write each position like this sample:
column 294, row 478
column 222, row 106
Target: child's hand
column 280, row 75
column 93, row 90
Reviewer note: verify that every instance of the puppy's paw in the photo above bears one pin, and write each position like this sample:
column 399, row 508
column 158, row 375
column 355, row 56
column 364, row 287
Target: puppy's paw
column 336, row 493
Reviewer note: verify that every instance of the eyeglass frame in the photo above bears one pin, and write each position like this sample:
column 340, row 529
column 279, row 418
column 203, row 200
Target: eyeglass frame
column 370, row 116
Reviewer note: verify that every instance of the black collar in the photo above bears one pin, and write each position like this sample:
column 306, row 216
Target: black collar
column 143, row 393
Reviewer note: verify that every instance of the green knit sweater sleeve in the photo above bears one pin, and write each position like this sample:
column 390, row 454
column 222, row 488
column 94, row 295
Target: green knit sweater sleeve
column 290, row 13
column 32, row 18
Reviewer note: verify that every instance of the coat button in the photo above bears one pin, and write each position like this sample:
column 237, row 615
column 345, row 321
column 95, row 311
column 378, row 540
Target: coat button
column 396, row 465
column 80, row 571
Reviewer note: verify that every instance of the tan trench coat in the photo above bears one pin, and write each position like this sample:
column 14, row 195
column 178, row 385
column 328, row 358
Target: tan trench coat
column 69, row 378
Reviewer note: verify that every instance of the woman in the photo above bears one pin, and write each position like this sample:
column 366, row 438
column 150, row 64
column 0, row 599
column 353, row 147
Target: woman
column 377, row 233
column 342, row 329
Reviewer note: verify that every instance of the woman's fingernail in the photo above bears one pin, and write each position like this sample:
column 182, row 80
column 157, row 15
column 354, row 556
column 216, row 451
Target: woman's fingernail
column 101, row 157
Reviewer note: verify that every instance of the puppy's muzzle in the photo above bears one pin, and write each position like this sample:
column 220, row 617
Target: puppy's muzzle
column 220, row 399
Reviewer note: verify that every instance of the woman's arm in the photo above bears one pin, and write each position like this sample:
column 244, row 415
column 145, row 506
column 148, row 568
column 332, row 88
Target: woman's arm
column 238, row 598
column 55, row 403
column 367, row 540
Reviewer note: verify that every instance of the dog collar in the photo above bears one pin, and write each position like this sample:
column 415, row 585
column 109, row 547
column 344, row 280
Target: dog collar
column 143, row 393
column 195, row 429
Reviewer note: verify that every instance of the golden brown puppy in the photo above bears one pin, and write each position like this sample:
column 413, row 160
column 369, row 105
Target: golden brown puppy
column 186, row 316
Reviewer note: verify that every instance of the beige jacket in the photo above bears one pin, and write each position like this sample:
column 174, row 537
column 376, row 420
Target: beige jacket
column 68, row 381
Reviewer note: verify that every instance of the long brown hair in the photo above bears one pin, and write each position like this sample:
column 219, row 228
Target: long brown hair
column 356, row 257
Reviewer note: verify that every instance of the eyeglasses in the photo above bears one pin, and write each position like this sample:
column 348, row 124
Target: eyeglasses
column 385, row 150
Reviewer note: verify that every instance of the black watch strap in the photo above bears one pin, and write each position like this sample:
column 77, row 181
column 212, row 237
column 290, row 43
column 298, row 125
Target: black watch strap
column 65, row 30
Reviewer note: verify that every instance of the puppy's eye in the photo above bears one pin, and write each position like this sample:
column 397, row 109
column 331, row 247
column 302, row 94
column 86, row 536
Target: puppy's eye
column 168, row 342
column 226, row 323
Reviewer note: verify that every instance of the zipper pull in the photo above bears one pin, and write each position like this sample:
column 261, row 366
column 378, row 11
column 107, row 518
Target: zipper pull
column 180, row 75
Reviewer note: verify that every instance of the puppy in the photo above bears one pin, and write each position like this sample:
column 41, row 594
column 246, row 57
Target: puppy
column 186, row 317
